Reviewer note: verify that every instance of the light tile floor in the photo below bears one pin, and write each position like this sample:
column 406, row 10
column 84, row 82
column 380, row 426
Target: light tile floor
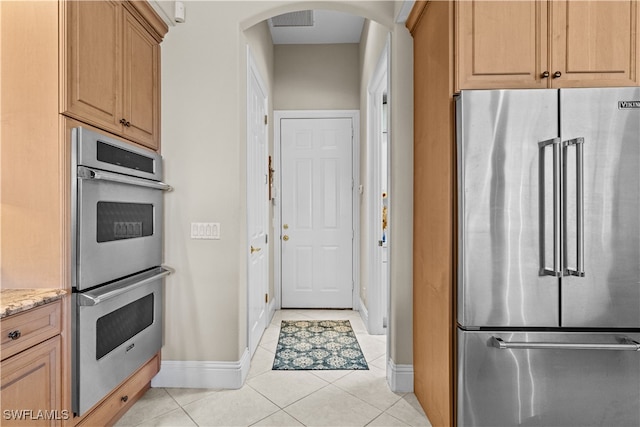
column 289, row 398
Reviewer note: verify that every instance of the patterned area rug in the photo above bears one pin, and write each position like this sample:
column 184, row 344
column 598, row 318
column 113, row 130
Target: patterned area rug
column 318, row 344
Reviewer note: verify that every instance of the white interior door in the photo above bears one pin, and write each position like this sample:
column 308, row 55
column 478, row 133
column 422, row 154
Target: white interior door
column 257, row 207
column 317, row 211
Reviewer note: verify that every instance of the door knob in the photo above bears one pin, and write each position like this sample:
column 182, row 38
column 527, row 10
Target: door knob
column 285, row 237
column 255, row 249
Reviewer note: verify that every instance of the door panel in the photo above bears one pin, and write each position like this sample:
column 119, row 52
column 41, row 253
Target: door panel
column 93, row 69
column 115, row 222
column 595, row 43
column 500, row 216
column 317, row 213
column 609, row 293
column 141, row 80
column 501, row 44
column 547, row 387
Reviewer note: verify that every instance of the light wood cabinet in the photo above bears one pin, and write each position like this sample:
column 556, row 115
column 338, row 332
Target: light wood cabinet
column 31, row 384
column 141, row 85
column 539, row 44
column 433, row 210
column 113, row 406
column 63, row 64
column 112, row 70
column 595, row 43
column 501, row 44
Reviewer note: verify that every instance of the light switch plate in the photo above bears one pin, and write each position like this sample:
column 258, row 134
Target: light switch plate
column 205, row 230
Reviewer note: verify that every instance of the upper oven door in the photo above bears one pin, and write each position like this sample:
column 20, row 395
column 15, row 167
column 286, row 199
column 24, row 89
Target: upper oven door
column 119, row 229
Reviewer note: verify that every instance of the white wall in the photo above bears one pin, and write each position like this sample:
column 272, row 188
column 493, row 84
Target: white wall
column 204, row 145
column 317, row 77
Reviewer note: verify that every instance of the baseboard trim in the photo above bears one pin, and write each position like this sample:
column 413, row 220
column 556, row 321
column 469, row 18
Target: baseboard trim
column 364, row 312
column 271, row 311
column 203, row 374
column 400, row 377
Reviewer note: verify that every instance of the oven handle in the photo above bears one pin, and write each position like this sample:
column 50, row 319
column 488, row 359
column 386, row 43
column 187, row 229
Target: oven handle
column 89, row 173
column 121, row 287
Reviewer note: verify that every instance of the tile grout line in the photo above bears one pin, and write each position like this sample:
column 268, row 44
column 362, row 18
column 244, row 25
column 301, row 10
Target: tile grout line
column 389, row 415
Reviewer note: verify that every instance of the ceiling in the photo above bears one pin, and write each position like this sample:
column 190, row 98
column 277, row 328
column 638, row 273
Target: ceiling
column 328, row 27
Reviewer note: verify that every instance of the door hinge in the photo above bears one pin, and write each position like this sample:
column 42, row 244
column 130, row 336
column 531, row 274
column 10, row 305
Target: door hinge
column 266, row 120
column 266, row 238
column 266, row 298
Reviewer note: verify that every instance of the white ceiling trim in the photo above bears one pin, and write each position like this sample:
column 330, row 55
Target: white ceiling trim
column 405, row 10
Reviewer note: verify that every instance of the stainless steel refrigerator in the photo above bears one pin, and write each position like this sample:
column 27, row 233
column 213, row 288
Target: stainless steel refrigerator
column 548, row 280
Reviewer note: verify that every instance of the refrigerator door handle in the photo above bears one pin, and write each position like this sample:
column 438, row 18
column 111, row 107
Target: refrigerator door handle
column 578, row 143
column 625, row 344
column 557, row 268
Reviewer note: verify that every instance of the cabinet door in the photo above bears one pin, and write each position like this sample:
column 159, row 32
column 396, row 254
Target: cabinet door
column 595, row 43
column 30, row 390
column 141, row 83
column 501, row 45
column 93, row 63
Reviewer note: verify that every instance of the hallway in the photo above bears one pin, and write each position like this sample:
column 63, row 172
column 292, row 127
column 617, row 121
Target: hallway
column 289, row 398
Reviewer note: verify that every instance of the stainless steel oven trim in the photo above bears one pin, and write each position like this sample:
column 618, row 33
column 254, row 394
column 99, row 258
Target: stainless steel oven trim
column 74, row 207
column 86, row 154
column 89, row 173
column 115, row 289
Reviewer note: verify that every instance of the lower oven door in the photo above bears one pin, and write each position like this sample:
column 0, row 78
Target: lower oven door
column 116, row 329
column 119, row 227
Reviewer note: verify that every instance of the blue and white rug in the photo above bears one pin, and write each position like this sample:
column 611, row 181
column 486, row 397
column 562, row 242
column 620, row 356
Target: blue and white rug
column 318, row 344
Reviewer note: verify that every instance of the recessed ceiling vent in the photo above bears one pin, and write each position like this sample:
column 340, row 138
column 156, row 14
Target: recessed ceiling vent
column 303, row 18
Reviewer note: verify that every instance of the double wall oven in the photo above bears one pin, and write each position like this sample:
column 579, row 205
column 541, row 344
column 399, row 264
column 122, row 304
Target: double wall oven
column 117, row 276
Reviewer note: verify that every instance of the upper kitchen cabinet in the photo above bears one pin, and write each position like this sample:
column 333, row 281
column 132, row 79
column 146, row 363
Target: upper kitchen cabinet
column 540, row 44
column 595, row 43
column 501, row 44
column 112, row 68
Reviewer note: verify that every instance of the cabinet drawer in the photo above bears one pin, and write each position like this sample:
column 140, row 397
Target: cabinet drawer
column 30, row 328
column 122, row 398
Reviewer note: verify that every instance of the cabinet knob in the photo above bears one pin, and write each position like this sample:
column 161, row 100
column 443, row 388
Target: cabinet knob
column 544, row 75
column 557, row 74
column 127, row 124
column 124, row 398
column 14, row 335
column 123, row 121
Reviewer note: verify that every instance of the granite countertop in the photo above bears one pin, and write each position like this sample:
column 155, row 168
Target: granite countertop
column 14, row 301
